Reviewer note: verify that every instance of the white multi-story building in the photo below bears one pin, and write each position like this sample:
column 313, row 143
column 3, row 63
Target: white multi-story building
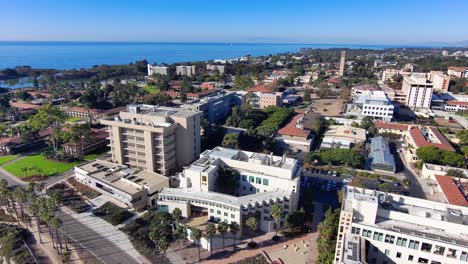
column 154, row 69
column 213, row 67
column 375, row 104
column 418, row 92
column 185, row 70
column 378, row 227
column 264, row 180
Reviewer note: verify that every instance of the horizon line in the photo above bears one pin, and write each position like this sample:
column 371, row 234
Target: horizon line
column 431, row 45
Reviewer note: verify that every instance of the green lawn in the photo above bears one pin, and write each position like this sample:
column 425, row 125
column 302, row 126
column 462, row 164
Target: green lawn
column 95, row 154
column 151, row 89
column 37, row 165
column 73, row 119
column 7, row 158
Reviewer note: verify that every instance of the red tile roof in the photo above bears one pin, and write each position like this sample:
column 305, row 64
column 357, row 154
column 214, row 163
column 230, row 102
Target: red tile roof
column 262, row 88
column 290, row 129
column 452, row 192
column 396, row 126
column 420, row 139
column 453, row 102
column 459, row 69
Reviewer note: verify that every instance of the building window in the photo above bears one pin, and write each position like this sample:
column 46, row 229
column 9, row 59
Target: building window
column 203, row 178
column 258, row 180
column 464, row 256
column 426, row 247
column 225, row 214
column 233, row 216
column 355, row 230
column 366, row 233
column 251, row 178
column 401, row 242
column 218, row 212
column 211, row 210
column 398, row 254
column 452, row 253
column 413, row 244
column 423, row 260
column 387, row 252
column 378, row 236
column 244, row 178
column 389, row 239
column 439, row 250
column 266, row 182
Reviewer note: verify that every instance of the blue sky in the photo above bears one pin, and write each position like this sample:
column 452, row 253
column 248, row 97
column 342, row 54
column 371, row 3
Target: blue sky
column 290, row 21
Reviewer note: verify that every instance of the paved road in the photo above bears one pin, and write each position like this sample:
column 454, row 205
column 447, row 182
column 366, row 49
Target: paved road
column 100, row 246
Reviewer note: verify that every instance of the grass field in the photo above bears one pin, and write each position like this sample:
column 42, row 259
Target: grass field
column 151, row 89
column 73, row 119
column 7, row 158
column 37, row 165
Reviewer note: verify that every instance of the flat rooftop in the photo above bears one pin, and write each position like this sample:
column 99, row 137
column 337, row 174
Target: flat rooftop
column 154, row 110
column 122, row 177
column 346, row 132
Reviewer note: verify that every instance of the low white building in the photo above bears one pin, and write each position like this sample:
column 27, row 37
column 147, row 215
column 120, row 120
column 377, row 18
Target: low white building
column 343, row 137
column 214, row 67
column 264, row 180
column 134, row 187
column 400, row 229
column 375, row 104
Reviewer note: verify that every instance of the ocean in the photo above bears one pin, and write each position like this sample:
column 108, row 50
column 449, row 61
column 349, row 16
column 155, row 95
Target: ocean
column 69, row 55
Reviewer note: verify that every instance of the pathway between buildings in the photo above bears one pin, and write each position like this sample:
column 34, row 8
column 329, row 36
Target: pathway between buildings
column 105, row 241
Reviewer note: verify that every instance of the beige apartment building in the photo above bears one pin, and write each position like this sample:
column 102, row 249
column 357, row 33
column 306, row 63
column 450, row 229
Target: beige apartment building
column 158, row 139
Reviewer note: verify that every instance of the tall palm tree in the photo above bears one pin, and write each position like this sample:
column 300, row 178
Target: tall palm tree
column 276, row 213
column 181, row 233
column 211, row 231
column 55, row 224
column 34, row 209
column 252, row 224
column 20, row 196
column 197, row 234
column 177, row 214
column 222, row 229
column 4, row 194
column 234, row 228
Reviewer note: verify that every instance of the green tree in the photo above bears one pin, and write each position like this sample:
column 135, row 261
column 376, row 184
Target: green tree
column 242, row 82
column 276, row 213
column 306, row 95
column 385, row 187
column 177, row 214
column 181, row 233
column 367, row 122
column 295, row 220
column 228, row 180
column 52, row 118
column 252, row 225
column 233, row 229
column 223, row 228
column 456, row 173
column 231, row 141
column 462, row 134
column 163, row 244
column 211, row 231
column 326, row 241
column 197, row 234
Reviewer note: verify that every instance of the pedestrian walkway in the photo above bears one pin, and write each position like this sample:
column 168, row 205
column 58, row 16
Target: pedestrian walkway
column 104, row 240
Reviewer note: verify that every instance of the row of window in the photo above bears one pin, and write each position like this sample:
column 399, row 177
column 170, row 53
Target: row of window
column 257, row 180
column 413, row 244
column 377, row 113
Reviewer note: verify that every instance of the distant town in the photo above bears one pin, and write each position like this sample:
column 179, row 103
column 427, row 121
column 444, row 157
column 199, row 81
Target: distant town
column 340, row 156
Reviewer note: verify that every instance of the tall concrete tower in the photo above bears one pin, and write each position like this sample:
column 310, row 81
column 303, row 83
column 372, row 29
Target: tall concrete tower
column 342, row 63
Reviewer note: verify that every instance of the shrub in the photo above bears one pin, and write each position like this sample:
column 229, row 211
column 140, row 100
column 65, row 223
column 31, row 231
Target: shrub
column 112, row 213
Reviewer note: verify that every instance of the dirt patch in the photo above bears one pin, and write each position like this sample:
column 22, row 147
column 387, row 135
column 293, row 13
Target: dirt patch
column 328, row 107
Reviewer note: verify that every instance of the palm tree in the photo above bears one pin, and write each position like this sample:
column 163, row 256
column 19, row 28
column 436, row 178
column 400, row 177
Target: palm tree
column 4, row 193
column 222, row 229
column 34, row 209
column 20, row 196
column 276, row 212
column 163, row 244
column 177, row 214
column 55, row 224
column 211, row 231
column 252, row 225
column 181, row 233
column 197, row 234
column 234, row 228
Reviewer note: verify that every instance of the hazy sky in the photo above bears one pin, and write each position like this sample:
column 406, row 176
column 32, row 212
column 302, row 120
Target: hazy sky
column 286, row 21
